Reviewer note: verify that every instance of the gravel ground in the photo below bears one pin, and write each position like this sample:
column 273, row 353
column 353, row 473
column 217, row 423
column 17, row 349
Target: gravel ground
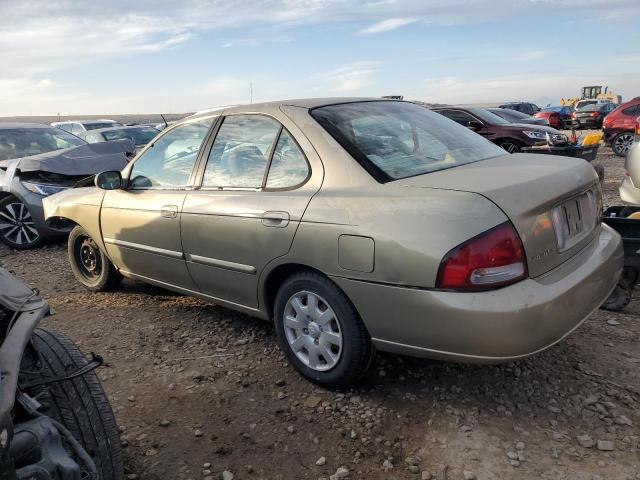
column 201, row 392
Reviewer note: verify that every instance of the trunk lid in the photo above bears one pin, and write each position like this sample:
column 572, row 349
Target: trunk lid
column 531, row 190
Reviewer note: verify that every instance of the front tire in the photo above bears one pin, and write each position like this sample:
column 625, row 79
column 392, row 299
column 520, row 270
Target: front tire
column 17, row 229
column 511, row 146
column 89, row 264
column 320, row 331
column 79, row 404
column 621, row 143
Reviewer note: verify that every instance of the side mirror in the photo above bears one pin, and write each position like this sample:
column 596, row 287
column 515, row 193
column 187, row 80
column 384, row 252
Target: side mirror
column 111, row 180
column 475, row 125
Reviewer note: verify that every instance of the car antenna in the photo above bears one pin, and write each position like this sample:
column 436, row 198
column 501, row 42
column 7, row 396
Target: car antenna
column 164, row 120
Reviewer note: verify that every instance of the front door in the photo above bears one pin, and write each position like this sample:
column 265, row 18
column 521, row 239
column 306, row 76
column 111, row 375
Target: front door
column 255, row 188
column 141, row 223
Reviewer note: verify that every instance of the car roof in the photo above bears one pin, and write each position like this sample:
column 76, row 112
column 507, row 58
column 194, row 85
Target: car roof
column 86, row 121
column 14, row 125
column 307, row 103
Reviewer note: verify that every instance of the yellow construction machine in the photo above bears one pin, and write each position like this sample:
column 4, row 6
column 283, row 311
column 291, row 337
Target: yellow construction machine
column 593, row 93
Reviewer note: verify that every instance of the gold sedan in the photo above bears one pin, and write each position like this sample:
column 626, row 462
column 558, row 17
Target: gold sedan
column 354, row 224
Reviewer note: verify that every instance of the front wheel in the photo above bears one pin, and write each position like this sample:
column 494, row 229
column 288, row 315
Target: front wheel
column 320, row 331
column 17, row 229
column 89, row 264
column 621, row 143
column 510, row 146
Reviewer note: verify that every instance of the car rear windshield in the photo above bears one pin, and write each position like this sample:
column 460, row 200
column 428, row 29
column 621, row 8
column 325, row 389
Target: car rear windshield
column 394, row 140
column 25, row 142
column 97, row 125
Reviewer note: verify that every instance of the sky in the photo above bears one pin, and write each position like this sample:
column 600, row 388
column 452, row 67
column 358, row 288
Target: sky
column 150, row 56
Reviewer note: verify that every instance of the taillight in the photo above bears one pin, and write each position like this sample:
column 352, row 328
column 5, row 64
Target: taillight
column 493, row 259
column 595, row 114
column 638, row 126
column 573, row 115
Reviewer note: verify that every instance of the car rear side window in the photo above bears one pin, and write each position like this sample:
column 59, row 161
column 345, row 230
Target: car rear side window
column 633, row 111
column 289, row 166
column 241, row 152
column 457, row 116
column 169, row 161
column 394, row 140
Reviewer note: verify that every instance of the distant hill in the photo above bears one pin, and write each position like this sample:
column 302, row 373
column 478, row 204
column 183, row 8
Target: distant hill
column 126, row 118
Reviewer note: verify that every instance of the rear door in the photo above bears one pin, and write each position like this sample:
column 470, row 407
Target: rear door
column 141, row 223
column 255, row 186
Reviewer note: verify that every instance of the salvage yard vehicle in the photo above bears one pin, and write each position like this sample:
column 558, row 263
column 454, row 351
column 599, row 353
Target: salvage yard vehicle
column 557, row 117
column 510, row 136
column 55, row 420
column 354, row 224
column 37, row 161
column 591, row 116
column 618, row 126
column 515, row 116
column 524, row 107
column 140, row 135
column 78, row 127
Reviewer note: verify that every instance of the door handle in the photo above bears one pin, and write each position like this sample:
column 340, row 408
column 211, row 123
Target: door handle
column 275, row 219
column 169, row 211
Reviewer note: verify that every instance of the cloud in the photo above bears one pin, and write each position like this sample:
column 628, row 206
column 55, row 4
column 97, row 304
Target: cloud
column 350, row 78
column 387, row 25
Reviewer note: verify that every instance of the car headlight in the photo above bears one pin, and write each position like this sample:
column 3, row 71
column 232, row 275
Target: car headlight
column 42, row 188
column 535, row 134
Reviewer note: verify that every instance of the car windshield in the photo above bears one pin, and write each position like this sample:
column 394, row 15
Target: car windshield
column 138, row 135
column 591, row 107
column 25, row 142
column 97, row 125
column 394, row 140
column 553, row 109
column 581, row 105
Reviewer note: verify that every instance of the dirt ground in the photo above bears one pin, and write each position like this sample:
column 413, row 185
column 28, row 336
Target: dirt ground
column 199, row 390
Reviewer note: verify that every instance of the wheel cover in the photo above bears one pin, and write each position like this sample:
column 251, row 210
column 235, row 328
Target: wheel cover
column 312, row 330
column 510, row 147
column 87, row 257
column 623, row 143
column 16, row 224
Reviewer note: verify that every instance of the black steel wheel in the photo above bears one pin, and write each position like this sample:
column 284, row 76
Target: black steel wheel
column 89, row 264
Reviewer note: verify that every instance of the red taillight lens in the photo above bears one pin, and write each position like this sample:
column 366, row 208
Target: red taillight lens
column 573, row 115
column 595, row 114
column 492, row 259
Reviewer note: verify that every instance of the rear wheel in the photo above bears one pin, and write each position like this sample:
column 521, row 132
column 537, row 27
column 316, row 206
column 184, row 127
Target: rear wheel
column 17, row 228
column 510, row 146
column 619, row 298
column 621, row 143
column 321, row 332
column 89, row 264
column 79, row 404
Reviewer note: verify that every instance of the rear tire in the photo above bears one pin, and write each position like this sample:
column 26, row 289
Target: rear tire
column 79, row 404
column 621, row 143
column 619, row 298
column 89, row 264
column 346, row 359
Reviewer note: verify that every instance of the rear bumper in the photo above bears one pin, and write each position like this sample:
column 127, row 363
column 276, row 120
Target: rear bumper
column 495, row 326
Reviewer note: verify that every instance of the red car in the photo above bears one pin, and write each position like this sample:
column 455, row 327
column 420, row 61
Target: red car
column 619, row 126
column 558, row 117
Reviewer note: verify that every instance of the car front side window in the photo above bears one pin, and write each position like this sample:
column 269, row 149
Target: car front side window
column 169, row 161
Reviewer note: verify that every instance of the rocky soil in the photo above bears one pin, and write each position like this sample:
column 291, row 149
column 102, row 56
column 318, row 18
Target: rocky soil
column 201, row 392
